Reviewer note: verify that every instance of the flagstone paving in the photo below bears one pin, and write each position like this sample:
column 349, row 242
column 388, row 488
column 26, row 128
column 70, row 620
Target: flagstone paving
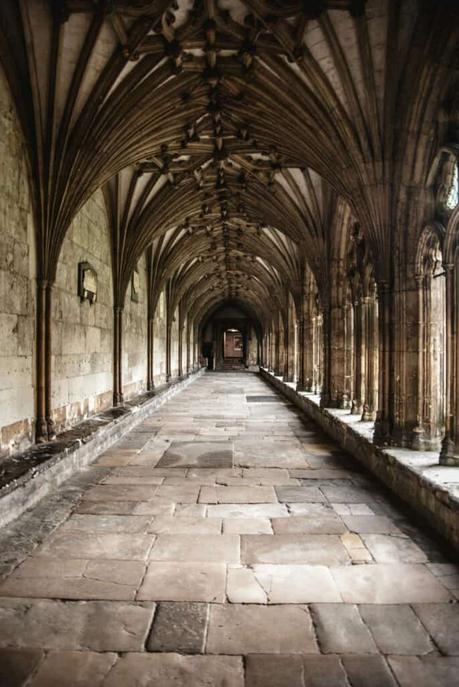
column 225, row 542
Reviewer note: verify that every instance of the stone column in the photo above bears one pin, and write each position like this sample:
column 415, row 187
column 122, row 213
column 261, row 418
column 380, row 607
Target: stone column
column 295, row 352
column 277, row 353
column 450, row 446
column 348, row 354
column 334, row 387
column 287, row 352
column 308, row 350
column 418, row 438
column 188, row 347
column 44, row 425
column 318, row 355
column 41, row 430
column 150, row 353
column 371, row 363
column 325, row 391
column 48, row 359
column 117, row 355
column 180, row 351
column 181, row 326
column 272, row 351
column 301, row 383
column 359, row 377
column 168, row 348
column 386, row 401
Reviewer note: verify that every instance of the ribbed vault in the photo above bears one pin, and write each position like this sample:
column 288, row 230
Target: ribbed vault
column 235, row 140
column 220, row 88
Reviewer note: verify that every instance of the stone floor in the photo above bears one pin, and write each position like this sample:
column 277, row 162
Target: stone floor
column 225, row 542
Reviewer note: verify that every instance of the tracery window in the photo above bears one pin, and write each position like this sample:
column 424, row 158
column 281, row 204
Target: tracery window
column 452, row 197
column 447, row 188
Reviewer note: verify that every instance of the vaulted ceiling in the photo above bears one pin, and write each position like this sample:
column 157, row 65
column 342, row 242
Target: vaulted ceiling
column 225, row 133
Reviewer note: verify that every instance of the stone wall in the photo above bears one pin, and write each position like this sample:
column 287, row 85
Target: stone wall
column 17, row 285
column 82, row 337
column 159, row 343
column 135, row 323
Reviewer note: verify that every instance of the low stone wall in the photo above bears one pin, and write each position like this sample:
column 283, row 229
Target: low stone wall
column 28, row 477
column 415, row 476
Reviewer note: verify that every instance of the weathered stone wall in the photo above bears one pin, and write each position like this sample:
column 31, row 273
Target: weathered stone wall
column 82, row 337
column 135, row 323
column 159, row 344
column 17, row 284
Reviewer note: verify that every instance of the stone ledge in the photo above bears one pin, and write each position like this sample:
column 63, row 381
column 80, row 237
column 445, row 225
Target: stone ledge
column 414, row 476
column 26, row 477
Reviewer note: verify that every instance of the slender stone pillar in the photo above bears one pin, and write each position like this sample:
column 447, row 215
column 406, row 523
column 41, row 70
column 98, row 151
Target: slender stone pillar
column 181, row 325
column 359, row 378
column 348, row 354
column 308, row 351
column 318, row 356
column 450, row 446
column 334, row 386
column 301, row 383
column 168, row 348
column 117, row 355
column 188, row 347
column 277, row 353
column 44, row 427
column 287, row 352
column 371, row 363
column 150, row 354
column 386, row 401
column 418, row 438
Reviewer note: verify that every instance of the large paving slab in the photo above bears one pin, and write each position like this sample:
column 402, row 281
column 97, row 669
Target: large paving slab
column 74, row 626
column 225, row 542
column 202, row 454
column 241, row 629
column 167, row 670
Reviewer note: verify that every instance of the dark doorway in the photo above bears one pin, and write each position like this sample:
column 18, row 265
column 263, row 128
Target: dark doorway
column 207, row 352
column 233, row 344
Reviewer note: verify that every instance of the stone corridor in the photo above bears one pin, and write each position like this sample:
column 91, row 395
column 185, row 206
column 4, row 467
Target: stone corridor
column 225, row 542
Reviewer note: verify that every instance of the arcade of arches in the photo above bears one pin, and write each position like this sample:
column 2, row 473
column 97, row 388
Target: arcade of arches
column 231, row 185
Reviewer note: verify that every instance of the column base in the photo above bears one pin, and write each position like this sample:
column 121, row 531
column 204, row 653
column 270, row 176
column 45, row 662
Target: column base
column 51, row 428
column 118, row 399
column 382, row 435
column 327, row 402
column 356, row 407
column 368, row 415
column 41, row 431
column 449, row 454
column 418, row 439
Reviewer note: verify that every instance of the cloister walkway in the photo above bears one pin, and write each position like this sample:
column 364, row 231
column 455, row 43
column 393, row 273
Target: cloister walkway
column 225, row 542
